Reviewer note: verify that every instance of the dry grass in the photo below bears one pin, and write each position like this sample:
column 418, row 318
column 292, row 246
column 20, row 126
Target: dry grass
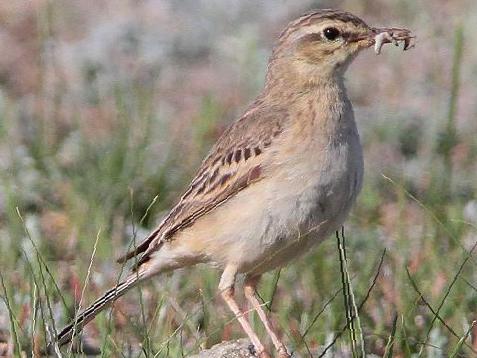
column 99, row 100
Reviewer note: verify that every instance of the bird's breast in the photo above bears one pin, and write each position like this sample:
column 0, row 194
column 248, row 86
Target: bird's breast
column 309, row 199
column 319, row 183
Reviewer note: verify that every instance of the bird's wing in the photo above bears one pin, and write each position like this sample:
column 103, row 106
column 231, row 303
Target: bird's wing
column 235, row 162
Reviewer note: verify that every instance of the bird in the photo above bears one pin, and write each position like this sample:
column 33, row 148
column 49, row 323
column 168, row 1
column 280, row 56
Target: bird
column 277, row 182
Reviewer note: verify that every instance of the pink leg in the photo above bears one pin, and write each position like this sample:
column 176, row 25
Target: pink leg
column 227, row 292
column 250, row 289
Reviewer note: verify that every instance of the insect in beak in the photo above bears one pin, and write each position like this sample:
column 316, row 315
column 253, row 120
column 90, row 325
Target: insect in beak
column 381, row 36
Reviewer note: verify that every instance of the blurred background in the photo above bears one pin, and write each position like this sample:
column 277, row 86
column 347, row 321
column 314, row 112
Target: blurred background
column 106, row 105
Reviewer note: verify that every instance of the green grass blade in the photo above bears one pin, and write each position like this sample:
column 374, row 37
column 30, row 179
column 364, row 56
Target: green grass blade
column 13, row 319
column 462, row 340
column 388, row 351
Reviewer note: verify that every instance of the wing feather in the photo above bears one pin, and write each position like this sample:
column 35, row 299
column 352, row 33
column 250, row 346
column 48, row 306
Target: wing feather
column 234, row 163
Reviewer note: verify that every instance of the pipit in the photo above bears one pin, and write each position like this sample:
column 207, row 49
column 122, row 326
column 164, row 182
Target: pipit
column 278, row 181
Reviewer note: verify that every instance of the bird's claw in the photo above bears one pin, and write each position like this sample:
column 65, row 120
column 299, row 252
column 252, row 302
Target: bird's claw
column 283, row 353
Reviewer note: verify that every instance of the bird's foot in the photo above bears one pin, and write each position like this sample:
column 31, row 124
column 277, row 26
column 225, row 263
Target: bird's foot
column 283, row 353
column 264, row 354
column 254, row 352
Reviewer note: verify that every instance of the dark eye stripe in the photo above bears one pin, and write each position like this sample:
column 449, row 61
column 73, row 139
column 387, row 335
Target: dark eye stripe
column 311, row 37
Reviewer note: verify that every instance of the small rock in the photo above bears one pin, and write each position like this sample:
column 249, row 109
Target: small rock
column 232, row 349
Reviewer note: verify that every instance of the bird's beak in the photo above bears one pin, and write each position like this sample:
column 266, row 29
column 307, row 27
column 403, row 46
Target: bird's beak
column 383, row 35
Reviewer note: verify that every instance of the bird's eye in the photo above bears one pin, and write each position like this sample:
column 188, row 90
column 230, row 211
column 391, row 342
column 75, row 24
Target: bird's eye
column 331, row 33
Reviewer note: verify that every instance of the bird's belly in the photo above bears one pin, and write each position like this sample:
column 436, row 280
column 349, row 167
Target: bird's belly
column 309, row 201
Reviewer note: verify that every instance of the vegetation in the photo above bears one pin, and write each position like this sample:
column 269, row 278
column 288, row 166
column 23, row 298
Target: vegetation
column 107, row 108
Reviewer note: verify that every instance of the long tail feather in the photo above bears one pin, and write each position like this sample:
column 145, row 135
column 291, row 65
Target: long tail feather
column 75, row 327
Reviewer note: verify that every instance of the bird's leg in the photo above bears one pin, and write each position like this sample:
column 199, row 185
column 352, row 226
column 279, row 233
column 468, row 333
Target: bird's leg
column 250, row 290
column 226, row 288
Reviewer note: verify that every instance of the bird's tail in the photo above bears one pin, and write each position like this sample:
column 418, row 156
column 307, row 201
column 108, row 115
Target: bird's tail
column 82, row 318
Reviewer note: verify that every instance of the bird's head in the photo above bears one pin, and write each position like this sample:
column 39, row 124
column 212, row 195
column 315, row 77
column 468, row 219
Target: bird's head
column 324, row 42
